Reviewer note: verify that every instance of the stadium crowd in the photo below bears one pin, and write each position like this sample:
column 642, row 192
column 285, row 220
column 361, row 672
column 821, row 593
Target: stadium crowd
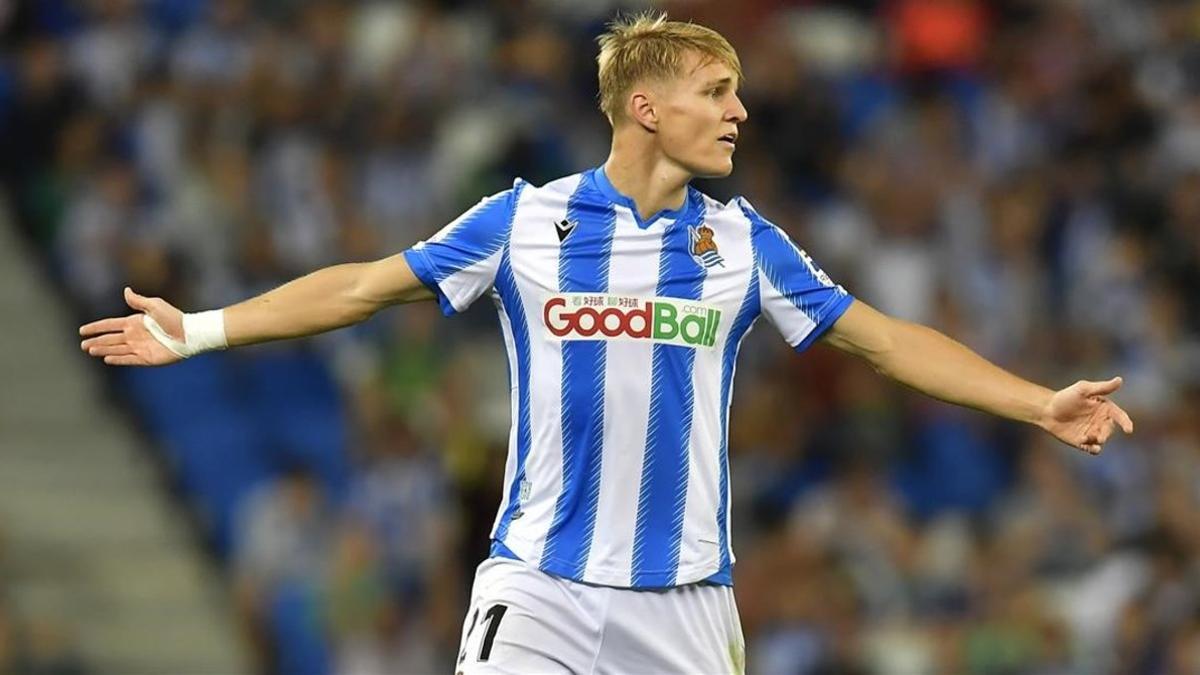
column 1023, row 175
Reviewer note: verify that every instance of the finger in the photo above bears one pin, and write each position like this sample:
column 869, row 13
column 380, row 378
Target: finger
column 103, row 326
column 111, row 350
column 128, row 360
column 1091, row 448
column 1122, row 418
column 106, row 339
column 138, row 302
column 1102, row 388
column 1105, row 432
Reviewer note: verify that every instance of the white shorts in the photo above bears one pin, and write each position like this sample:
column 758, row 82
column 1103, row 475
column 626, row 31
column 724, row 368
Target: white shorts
column 523, row 621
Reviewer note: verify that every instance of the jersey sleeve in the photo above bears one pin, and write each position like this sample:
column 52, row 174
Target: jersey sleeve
column 796, row 296
column 459, row 263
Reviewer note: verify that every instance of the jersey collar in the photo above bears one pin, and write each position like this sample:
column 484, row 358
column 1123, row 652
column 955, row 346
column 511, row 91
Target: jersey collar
column 600, row 180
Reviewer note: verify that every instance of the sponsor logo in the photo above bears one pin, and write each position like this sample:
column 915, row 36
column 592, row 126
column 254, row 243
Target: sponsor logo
column 564, row 227
column 599, row 316
column 704, row 249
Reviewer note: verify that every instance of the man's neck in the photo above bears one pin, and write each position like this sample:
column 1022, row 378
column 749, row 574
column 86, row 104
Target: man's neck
column 653, row 183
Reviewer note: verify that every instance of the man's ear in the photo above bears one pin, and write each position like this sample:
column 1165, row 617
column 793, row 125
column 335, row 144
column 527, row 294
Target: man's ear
column 642, row 110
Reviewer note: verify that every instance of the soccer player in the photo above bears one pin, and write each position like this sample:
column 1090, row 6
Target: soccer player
column 623, row 296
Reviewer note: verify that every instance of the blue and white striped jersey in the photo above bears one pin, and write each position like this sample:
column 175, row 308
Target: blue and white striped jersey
column 622, row 335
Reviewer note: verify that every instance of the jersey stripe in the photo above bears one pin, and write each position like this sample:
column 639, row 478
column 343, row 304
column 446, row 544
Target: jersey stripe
column 663, row 494
column 583, row 267
column 627, row 406
column 513, row 323
column 700, row 543
column 514, row 412
column 746, row 315
column 516, row 329
column 534, row 257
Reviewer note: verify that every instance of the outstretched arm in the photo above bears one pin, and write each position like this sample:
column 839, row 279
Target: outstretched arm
column 931, row 363
column 326, row 299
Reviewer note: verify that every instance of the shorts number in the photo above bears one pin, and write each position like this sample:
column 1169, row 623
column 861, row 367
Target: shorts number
column 492, row 619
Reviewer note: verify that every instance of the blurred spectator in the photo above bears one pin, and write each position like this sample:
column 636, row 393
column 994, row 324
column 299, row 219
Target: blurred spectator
column 280, row 557
column 402, row 503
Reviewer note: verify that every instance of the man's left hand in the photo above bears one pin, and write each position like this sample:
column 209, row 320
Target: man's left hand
column 1082, row 416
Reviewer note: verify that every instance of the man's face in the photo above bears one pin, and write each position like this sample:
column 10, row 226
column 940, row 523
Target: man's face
column 698, row 117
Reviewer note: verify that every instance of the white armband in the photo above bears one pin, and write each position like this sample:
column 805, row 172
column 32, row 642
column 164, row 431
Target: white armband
column 202, row 331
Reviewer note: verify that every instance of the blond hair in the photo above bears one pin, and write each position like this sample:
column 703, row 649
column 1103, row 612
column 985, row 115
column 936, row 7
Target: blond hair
column 648, row 46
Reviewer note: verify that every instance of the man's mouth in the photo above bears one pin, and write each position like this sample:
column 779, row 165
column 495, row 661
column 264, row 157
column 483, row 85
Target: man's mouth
column 731, row 139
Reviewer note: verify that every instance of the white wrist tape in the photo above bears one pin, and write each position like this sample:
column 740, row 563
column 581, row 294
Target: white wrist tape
column 202, row 331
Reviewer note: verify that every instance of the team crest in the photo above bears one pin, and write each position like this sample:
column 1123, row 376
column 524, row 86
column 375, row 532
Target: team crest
column 522, row 497
column 704, row 249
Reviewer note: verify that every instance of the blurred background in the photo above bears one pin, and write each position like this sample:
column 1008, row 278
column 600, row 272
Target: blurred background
column 1023, row 175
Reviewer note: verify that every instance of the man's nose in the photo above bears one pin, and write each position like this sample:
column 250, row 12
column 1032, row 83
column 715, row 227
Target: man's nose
column 738, row 113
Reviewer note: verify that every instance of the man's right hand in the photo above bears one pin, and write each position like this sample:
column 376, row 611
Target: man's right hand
column 125, row 341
